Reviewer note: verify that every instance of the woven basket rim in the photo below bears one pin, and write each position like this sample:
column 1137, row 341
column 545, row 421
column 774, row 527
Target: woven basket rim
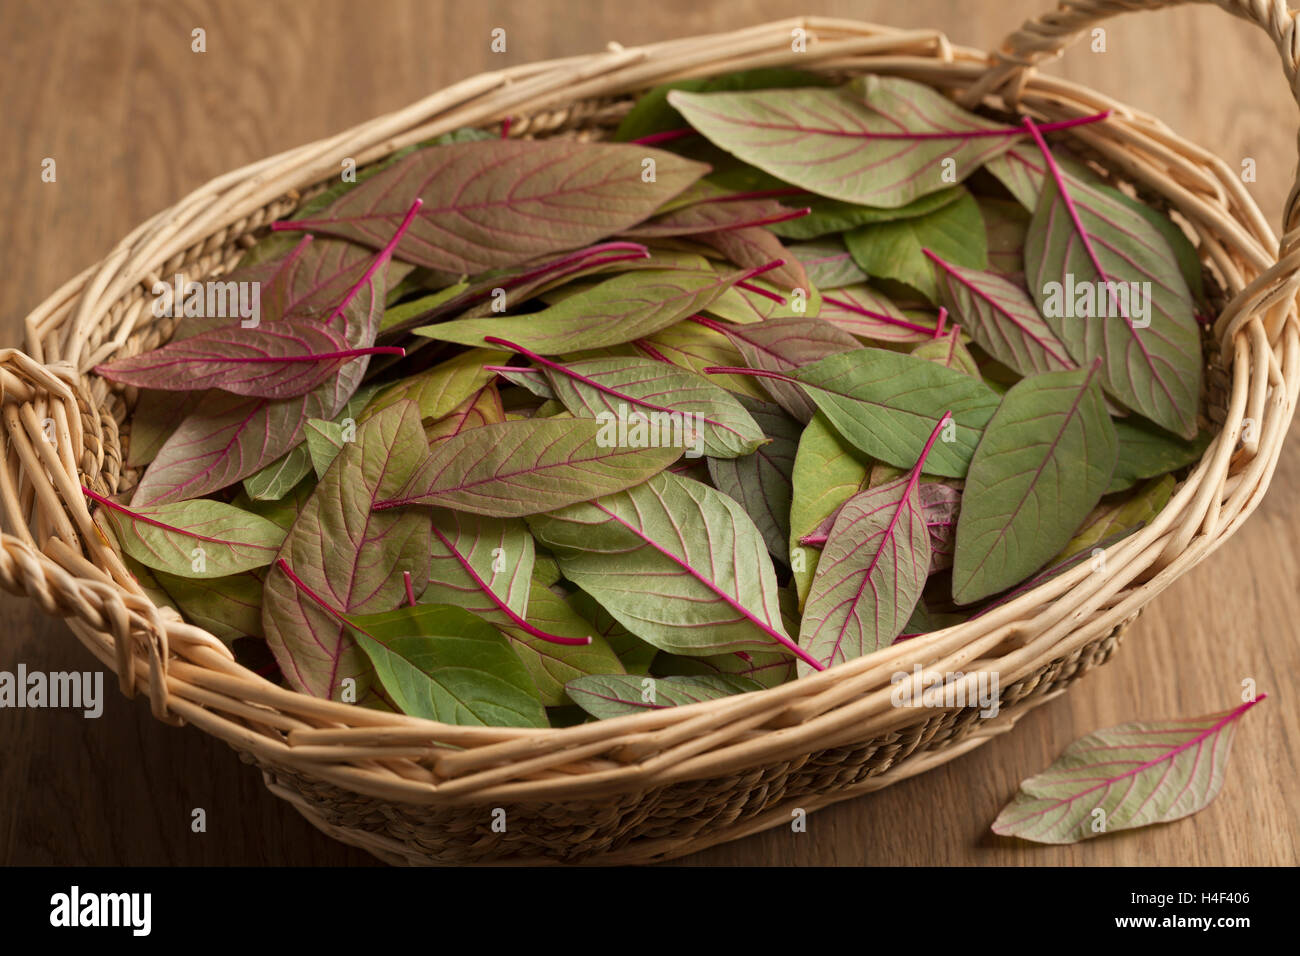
column 189, row 675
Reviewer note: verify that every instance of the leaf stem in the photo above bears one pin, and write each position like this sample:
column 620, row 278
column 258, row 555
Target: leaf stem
column 410, row 588
column 888, row 319
column 502, row 606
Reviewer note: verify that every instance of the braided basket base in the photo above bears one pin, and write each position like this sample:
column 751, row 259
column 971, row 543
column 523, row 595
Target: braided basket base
column 668, row 822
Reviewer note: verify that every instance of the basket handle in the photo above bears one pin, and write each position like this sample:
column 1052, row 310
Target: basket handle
column 1047, row 36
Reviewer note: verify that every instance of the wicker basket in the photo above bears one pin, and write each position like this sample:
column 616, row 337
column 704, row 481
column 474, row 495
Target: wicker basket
column 660, row 784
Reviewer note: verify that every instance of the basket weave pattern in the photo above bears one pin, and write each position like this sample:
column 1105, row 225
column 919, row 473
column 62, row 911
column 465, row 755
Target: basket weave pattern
column 654, row 785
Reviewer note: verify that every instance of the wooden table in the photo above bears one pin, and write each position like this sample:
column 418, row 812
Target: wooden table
column 135, row 120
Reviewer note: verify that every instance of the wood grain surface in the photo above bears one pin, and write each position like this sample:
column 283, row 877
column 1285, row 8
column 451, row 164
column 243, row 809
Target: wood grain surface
column 135, row 120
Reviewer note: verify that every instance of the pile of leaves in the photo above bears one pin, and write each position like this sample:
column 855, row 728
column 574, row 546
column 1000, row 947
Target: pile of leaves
column 787, row 372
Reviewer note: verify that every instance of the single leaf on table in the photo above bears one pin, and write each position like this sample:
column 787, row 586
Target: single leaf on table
column 833, row 216
column 229, row 607
column 192, row 539
column 526, row 467
column 949, row 351
column 651, row 113
column 879, row 141
column 754, row 247
column 1111, row 517
column 1146, row 451
column 872, row 571
column 280, row 360
column 887, row 404
column 156, row 415
column 1044, row 461
column 493, row 204
column 343, row 558
column 610, row 388
column 1084, row 246
column 437, row 391
column 629, row 306
column 897, row 250
column 1133, row 775
column 1001, row 317
column 828, row 471
column 868, row 313
column 676, row 562
column 286, row 473
column 761, row 481
column 827, row 263
column 442, row 663
column 779, row 345
column 552, row 665
column 616, row 695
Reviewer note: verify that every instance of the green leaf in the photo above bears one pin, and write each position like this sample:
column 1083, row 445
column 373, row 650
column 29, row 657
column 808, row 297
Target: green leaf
column 193, row 539
column 499, row 203
column 1125, row 777
column 1146, row 450
column 831, row 216
column 950, row 352
column 887, row 405
column 1044, row 461
column 229, row 607
column 1147, row 338
column 550, row 665
column 1111, row 517
column 828, row 471
column 765, row 668
column 844, row 143
column 652, row 114
column 827, row 263
column 761, row 481
column 442, row 663
column 324, row 442
column 626, row 386
column 634, row 653
column 677, row 563
column 157, row 414
column 350, row 556
column 629, row 306
column 895, row 250
column 439, row 390
column 397, row 314
column 615, row 695
column 869, row 314
column 529, row 466
column 870, row 576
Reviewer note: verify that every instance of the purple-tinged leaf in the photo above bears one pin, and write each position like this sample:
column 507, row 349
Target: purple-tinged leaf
column 871, row 572
column 887, row 404
column 615, row 695
column 289, row 358
column 879, row 141
column 779, row 345
column 1000, row 316
column 755, row 247
column 862, row 311
column 481, row 408
column 350, row 558
column 761, row 480
column 229, row 607
column 831, row 217
column 1044, row 461
column 940, row 504
column 707, row 417
column 1125, row 777
column 155, row 417
column 710, row 215
column 949, row 351
column 627, row 307
column 827, row 263
column 1084, row 249
column 553, row 665
column 192, row 539
column 676, row 562
column 528, row 466
column 495, row 204
column 1006, row 226
column 441, row 389
column 696, row 347
column 765, row 668
column 1022, row 170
